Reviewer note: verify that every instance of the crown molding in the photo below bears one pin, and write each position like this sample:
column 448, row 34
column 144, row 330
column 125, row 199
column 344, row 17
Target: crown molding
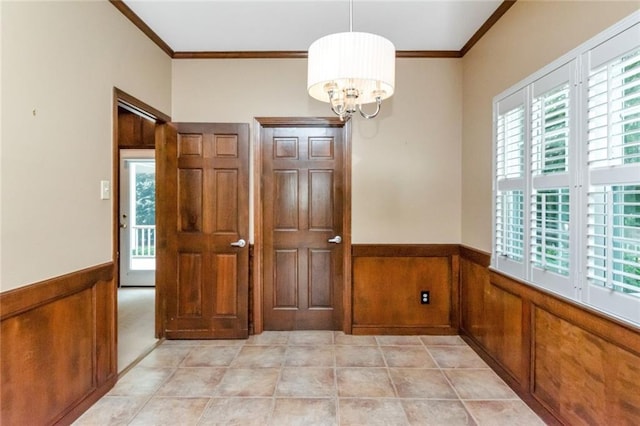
column 495, row 16
column 135, row 19
column 298, row 54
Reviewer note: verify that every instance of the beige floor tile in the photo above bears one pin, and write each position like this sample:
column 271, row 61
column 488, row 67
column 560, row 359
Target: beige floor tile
column 442, row 340
column 422, row 412
column 237, row 412
column 407, row 356
column 310, row 356
column 349, row 339
column 456, row 357
column 192, row 382
column 312, row 377
column 304, row 412
column 421, row 383
column 364, row 383
column 259, row 357
column 359, row 356
column 141, row 381
column 371, row 412
column 206, row 356
column 306, row 382
column 112, row 411
column 398, row 340
column 512, row 413
column 269, row 338
column 201, row 342
column 160, row 411
column 479, row 384
column 311, row 337
column 165, row 356
column 248, row 382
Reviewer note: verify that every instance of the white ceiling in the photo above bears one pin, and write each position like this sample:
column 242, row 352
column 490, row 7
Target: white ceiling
column 292, row 25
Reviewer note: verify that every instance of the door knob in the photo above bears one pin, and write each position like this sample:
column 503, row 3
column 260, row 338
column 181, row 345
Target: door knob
column 240, row 243
column 123, row 225
column 335, row 240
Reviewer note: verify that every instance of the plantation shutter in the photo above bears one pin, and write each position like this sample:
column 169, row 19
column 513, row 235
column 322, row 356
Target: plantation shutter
column 509, row 221
column 613, row 173
column 551, row 211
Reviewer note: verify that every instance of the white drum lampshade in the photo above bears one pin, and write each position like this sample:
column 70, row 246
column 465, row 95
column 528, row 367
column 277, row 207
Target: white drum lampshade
column 346, row 61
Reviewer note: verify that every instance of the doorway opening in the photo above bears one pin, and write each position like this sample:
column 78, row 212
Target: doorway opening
column 134, row 227
column 136, row 291
column 137, row 218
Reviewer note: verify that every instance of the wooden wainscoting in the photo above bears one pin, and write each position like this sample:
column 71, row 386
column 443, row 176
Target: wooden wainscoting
column 388, row 279
column 57, row 351
column 571, row 364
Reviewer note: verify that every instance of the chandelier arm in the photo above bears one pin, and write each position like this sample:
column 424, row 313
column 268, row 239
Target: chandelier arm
column 368, row 116
column 340, row 112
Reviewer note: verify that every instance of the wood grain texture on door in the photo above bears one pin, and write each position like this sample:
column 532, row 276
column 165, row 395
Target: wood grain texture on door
column 203, row 205
column 302, row 208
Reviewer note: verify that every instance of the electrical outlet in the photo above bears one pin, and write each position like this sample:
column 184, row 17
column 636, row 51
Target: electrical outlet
column 425, row 299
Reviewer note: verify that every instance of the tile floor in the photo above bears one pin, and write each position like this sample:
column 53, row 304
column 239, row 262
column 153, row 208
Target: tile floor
column 312, row 378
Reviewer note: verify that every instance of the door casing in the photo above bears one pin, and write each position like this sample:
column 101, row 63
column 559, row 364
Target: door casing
column 259, row 232
column 121, row 97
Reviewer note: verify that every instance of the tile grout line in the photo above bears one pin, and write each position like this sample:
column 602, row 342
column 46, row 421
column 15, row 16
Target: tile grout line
column 179, row 363
column 455, row 390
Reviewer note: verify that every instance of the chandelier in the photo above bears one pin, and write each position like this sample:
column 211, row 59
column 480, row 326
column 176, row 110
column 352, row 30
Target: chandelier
column 351, row 69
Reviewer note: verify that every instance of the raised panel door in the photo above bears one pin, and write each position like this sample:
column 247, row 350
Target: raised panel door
column 203, row 199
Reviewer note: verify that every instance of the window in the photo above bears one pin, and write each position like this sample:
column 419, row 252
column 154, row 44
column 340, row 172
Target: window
column 510, row 183
column 567, row 175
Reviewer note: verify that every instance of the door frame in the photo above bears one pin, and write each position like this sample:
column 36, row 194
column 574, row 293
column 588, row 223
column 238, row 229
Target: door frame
column 258, row 232
column 137, row 106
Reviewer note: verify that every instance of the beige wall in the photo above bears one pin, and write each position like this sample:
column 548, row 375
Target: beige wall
column 529, row 36
column 62, row 59
column 419, row 176
column 406, row 162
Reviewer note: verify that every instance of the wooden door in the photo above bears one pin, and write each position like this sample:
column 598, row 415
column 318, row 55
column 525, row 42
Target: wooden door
column 203, row 214
column 302, row 210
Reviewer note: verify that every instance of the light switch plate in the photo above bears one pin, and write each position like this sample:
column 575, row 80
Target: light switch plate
column 105, row 190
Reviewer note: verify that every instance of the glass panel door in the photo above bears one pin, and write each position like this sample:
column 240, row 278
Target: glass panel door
column 137, row 218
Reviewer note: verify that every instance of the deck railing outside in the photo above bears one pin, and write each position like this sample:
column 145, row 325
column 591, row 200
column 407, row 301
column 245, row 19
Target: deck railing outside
column 143, row 244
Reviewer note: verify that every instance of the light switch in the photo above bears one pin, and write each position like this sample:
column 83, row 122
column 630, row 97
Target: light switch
column 105, row 190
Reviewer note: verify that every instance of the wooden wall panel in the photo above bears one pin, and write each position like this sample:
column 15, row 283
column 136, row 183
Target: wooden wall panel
column 503, row 330
column 474, row 279
column 57, row 352
column 570, row 360
column 135, row 131
column 42, row 352
column 387, row 281
column 571, row 364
